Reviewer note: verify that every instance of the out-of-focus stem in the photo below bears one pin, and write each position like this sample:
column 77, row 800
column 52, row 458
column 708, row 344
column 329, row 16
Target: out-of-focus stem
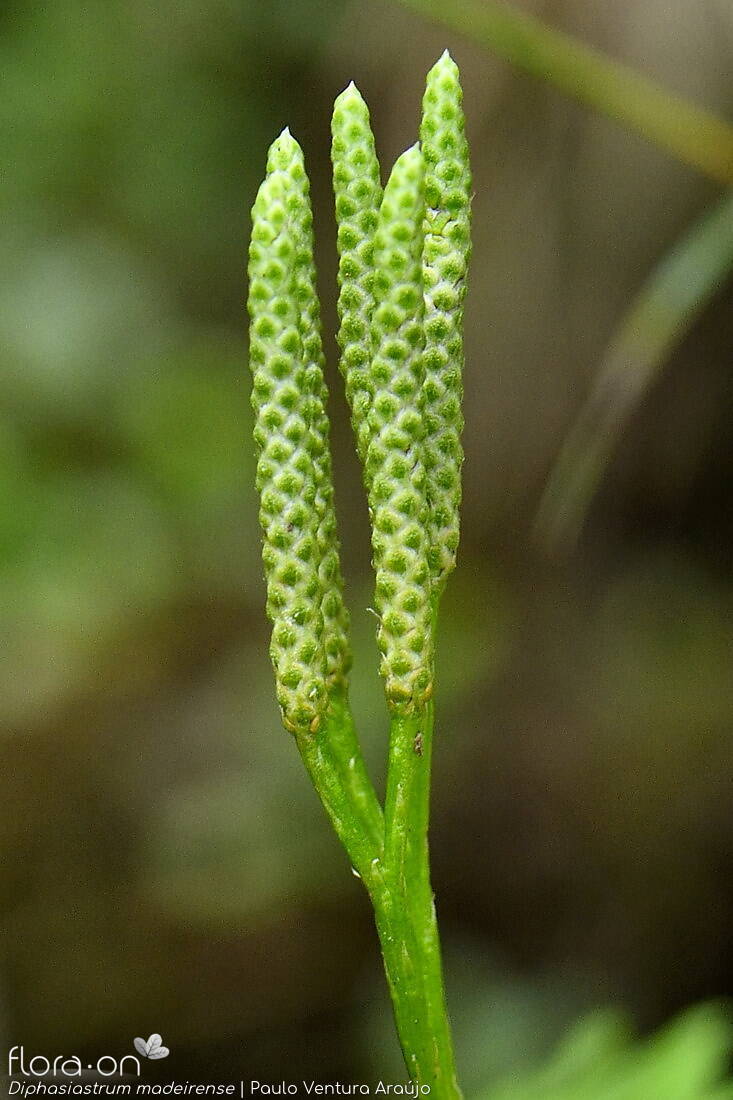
column 691, row 134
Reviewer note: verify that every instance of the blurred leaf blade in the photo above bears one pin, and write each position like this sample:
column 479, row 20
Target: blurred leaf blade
column 660, row 316
column 599, row 1060
column 691, row 134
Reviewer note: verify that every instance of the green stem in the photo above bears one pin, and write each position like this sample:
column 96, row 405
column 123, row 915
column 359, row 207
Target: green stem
column 405, row 909
column 347, row 755
column 422, row 1020
column 327, row 755
column 390, row 853
column 405, row 979
column 693, row 135
column 392, row 860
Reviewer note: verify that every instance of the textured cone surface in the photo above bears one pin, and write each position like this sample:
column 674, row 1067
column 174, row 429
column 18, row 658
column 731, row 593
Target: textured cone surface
column 286, row 477
column 357, row 193
column 395, row 470
column 446, row 254
column 286, row 156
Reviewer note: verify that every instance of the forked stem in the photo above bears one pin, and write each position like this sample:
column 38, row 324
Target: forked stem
column 390, row 854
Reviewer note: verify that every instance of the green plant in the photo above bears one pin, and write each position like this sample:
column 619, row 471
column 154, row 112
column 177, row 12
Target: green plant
column 601, row 1059
column 403, row 256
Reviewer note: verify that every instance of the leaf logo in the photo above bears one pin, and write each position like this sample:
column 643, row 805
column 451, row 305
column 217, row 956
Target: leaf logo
column 153, row 1048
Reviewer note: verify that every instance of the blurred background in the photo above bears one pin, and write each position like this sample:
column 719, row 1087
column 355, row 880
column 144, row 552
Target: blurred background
column 165, row 864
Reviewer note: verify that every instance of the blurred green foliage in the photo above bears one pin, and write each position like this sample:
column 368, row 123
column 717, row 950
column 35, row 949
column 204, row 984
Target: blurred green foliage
column 687, row 1061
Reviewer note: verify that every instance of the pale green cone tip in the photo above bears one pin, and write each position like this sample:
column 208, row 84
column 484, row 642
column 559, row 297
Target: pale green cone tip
column 283, row 151
column 357, row 194
column 286, row 476
column 287, row 154
column 403, row 257
column 445, row 263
